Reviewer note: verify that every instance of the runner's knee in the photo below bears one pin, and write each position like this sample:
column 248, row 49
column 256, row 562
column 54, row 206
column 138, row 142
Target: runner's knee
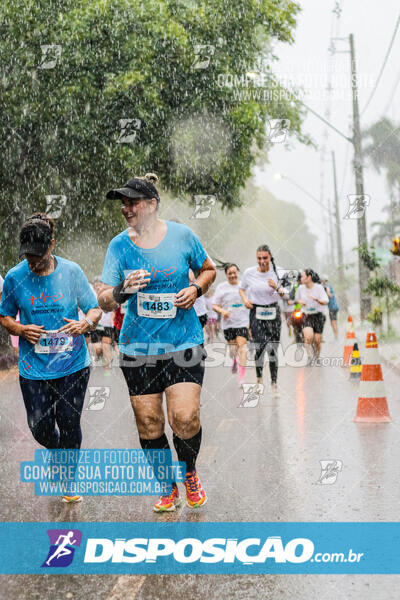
column 42, row 431
column 185, row 424
column 150, row 425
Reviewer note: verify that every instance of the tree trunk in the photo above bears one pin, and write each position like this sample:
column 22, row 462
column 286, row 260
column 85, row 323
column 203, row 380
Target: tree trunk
column 387, row 312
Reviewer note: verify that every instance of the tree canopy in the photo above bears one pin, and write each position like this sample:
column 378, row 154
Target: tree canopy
column 383, row 150
column 94, row 91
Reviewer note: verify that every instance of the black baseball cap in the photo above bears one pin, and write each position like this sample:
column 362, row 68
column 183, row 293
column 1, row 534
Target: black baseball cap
column 35, row 238
column 134, row 188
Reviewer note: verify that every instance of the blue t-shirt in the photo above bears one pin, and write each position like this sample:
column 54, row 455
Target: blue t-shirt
column 332, row 305
column 46, row 300
column 168, row 265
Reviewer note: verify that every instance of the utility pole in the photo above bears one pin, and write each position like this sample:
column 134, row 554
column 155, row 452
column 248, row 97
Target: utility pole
column 363, row 273
column 331, row 237
column 339, row 240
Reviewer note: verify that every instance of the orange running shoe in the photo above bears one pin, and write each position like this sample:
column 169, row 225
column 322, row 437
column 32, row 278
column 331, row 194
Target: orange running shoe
column 195, row 494
column 71, row 499
column 170, row 502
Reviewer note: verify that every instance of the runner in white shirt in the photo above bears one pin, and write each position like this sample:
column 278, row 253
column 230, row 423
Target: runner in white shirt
column 201, row 310
column 88, row 337
column 314, row 300
column 235, row 318
column 199, row 305
column 211, row 325
column 260, row 291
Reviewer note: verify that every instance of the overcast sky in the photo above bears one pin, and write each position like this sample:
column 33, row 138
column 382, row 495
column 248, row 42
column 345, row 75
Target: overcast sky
column 372, row 25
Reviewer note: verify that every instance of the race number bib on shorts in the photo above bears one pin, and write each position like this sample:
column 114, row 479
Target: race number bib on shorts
column 156, row 306
column 53, row 342
column 266, row 314
column 310, row 310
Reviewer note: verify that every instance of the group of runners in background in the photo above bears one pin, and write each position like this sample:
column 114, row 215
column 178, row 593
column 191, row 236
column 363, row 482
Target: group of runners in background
column 250, row 312
column 153, row 298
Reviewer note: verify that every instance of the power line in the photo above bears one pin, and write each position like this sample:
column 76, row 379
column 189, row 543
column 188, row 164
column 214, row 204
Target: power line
column 392, row 94
column 326, row 122
column 383, row 66
column 345, row 169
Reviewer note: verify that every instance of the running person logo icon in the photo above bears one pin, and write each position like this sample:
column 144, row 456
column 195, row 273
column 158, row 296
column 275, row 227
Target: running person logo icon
column 98, row 397
column 330, row 470
column 358, row 204
column 203, row 206
column 62, row 547
column 251, row 395
column 277, row 130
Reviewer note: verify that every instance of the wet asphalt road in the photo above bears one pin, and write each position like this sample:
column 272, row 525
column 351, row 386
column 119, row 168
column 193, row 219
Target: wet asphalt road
column 256, row 464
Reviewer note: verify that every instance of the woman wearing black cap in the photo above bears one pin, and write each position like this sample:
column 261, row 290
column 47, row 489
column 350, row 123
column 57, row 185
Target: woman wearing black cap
column 53, row 358
column 161, row 340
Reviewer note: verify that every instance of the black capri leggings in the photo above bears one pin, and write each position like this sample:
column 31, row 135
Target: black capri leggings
column 56, row 402
column 266, row 336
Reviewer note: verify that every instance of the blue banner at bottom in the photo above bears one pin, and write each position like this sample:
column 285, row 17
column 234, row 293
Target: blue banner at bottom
column 207, row 548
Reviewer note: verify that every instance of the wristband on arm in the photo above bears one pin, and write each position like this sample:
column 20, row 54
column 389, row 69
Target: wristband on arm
column 119, row 296
column 198, row 288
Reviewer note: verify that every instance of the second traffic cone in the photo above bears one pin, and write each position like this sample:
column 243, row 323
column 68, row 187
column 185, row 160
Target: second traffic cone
column 372, row 404
column 356, row 366
column 349, row 341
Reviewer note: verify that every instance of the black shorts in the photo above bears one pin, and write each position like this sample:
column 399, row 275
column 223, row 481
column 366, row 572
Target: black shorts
column 333, row 314
column 97, row 335
column 264, row 331
column 232, row 333
column 115, row 335
column 203, row 320
column 154, row 374
column 316, row 322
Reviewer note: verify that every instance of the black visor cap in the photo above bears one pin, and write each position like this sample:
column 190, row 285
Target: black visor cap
column 35, row 239
column 134, row 188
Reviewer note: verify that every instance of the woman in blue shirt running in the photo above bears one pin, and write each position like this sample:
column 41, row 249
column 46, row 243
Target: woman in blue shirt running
column 161, row 340
column 47, row 291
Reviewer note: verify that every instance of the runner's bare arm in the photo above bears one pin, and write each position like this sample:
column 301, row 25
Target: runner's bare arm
column 31, row 332
column 105, row 297
column 246, row 301
column 220, row 310
column 94, row 314
column 76, row 327
column 323, row 302
column 186, row 297
column 206, row 275
column 138, row 279
column 11, row 325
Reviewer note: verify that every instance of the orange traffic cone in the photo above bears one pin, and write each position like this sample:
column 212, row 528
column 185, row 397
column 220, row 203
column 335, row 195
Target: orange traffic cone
column 372, row 404
column 349, row 342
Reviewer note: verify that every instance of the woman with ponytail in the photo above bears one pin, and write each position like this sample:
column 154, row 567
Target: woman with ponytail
column 161, row 340
column 235, row 317
column 260, row 291
column 314, row 300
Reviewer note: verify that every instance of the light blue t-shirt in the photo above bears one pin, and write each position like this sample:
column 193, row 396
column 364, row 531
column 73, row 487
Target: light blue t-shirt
column 168, row 265
column 46, row 300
